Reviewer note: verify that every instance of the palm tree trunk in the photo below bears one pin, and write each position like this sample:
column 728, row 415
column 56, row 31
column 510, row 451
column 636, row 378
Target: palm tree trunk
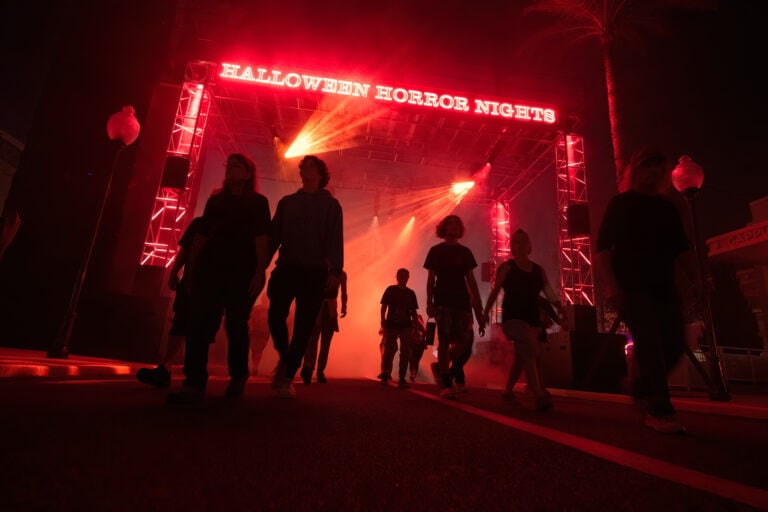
column 613, row 117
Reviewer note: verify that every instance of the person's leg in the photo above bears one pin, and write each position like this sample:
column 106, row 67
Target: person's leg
column 309, row 297
column 444, row 327
column 310, row 354
column 641, row 314
column 461, row 351
column 326, row 335
column 405, row 352
column 238, row 309
column 205, row 318
column 388, row 350
column 281, row 294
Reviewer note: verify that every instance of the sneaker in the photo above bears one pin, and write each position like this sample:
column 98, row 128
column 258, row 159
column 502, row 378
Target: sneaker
column 664, row 424
column 306, row 375
column 286, row 390
column 413, row 375
column 385, row 379
column 448, row 394
column 402, row 384
column 460, row 388
column 321, row 378
column 159, row 377
column 187, row 396
column 235, row 388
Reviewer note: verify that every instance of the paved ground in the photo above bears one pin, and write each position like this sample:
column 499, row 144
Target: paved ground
column 747, row 400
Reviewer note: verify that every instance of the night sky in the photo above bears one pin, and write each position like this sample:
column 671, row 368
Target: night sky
column 696, row 92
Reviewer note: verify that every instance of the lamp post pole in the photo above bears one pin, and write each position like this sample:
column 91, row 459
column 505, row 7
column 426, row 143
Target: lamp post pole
column 124, row 127
column 688, row 177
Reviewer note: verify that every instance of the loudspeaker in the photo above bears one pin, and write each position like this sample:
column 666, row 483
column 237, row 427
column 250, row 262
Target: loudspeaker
column 578, row 219
column 586, row 361
column 175, row 172
column 581, row 318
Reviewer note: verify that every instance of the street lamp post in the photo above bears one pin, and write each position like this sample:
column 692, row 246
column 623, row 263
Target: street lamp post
column 687, row 177
column 122, row 126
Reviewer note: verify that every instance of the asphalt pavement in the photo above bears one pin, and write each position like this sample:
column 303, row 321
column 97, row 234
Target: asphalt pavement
column 746, row 400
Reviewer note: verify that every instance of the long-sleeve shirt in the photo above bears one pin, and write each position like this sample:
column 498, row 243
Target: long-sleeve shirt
column 307, row 229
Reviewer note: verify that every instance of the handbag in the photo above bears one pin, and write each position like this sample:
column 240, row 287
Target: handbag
column 430, row 335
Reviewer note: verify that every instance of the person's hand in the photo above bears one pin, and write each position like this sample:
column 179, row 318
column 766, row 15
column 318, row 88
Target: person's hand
column 343, row 311
column 257, row 283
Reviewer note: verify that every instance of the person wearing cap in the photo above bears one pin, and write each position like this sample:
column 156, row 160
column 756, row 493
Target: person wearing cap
column 307, row 235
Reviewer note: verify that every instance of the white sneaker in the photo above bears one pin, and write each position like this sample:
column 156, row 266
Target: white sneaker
column 286, row 390
column 460, row 388
column 664, row 424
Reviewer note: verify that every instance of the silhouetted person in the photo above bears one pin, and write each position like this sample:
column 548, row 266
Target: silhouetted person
column 452, row 295
column 229, row 274
column 640, row 242
column 307, row 230
column 398, row 320
column 190, row 244
column 326, row 325
column 521, row 317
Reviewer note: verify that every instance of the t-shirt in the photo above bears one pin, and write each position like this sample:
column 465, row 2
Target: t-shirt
column 521, row 293
column 233, row 222
column 451, row 262
column 646, row 235
column 401, row 303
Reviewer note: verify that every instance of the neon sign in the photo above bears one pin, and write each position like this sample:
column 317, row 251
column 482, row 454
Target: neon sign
column 390, row 94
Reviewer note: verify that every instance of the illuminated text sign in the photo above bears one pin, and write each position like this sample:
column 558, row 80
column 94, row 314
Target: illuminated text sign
column 390, row 94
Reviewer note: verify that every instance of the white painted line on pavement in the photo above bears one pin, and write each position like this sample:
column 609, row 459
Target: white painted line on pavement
column 742, row 493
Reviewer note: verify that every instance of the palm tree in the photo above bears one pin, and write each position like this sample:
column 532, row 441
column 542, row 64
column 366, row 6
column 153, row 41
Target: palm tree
column 614, row 24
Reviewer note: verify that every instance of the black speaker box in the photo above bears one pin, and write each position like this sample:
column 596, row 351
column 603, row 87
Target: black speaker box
column 581, row 318
column 578, row 219
column 585, row 361
column 175, row 172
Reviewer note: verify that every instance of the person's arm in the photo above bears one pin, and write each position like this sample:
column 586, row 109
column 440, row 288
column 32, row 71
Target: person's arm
column 475, row 300
column 383, row 316
column 263, row 246
column 501, row 275
column 343, row 294
column 181, row 259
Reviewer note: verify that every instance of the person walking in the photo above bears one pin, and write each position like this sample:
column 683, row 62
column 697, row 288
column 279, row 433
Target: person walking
column 641, row 241
column 523, row 281
column 399, row 318
column 308, row 235
column 189, row 244
column 452, row 295
column 229, row 275
column 327, row 324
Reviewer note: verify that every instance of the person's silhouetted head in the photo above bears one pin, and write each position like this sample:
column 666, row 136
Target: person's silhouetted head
column 450, row 227
column 650, row 172
column 240, row 172
column 317, row 163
